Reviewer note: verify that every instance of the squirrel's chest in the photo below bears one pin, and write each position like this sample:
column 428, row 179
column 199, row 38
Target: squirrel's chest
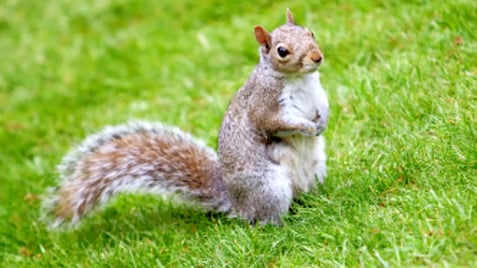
column 305, row 98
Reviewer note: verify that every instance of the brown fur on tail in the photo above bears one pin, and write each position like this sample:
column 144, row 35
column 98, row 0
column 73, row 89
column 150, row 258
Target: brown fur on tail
column 137, row 157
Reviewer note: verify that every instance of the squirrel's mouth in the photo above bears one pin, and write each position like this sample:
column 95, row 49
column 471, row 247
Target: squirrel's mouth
column 309, row 68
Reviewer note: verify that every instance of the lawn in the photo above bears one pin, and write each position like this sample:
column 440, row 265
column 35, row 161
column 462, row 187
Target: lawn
column 402, row 142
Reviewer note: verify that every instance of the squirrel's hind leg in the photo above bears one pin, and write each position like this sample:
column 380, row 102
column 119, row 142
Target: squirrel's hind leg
column 320, row 159
column 261, row 198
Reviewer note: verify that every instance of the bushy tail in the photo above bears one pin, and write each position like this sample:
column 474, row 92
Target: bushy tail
column 136, row 157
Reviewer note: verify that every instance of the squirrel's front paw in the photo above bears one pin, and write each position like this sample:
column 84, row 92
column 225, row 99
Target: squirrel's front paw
column 310, row 131
column 319, row 128
column 313, row 129
column 320, row 124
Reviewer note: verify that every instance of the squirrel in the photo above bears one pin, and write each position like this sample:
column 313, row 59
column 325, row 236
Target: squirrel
column 270, row 147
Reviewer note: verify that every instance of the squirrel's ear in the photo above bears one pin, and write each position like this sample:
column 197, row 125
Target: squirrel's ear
column 263, row 37
column 290, row 18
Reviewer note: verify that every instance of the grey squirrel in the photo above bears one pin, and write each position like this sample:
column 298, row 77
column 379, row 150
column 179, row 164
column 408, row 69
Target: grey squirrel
column 270, row 147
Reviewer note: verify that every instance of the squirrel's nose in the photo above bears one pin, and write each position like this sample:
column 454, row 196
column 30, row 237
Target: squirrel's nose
column 316, row 57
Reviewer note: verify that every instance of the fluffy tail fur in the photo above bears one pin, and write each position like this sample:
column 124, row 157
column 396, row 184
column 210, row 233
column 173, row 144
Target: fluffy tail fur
column 136, row 157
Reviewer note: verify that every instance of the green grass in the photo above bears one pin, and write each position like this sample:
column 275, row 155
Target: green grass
column 402, row 142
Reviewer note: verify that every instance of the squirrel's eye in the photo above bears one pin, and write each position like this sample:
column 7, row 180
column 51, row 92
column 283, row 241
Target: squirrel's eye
column 282, row 51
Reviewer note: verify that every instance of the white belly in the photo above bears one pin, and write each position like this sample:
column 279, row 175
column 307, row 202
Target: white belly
column 301, row 157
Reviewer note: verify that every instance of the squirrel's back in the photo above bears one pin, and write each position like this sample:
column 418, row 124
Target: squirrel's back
column 137, row 157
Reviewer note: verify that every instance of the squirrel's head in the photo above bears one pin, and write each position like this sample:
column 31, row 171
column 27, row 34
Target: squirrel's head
column 290, row 48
